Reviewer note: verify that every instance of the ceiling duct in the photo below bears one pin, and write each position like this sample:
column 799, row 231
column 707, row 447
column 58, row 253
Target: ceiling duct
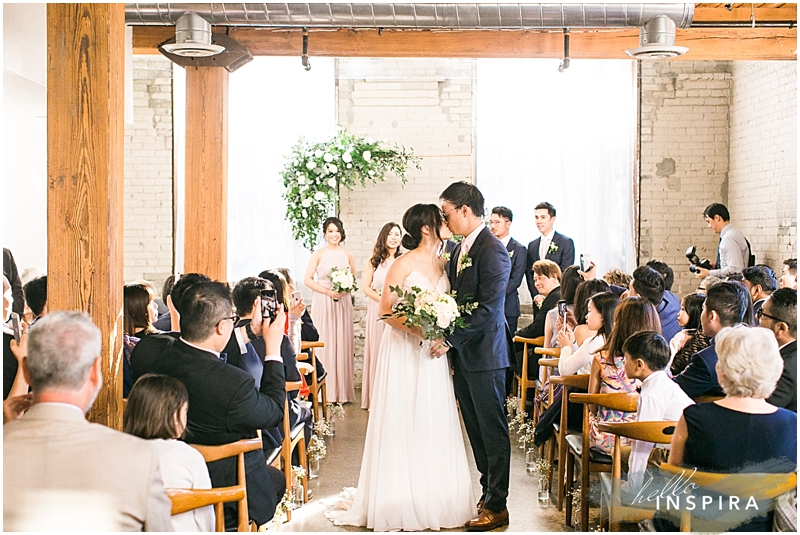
column 192, row 38
column 657, row 40
column 414, row 16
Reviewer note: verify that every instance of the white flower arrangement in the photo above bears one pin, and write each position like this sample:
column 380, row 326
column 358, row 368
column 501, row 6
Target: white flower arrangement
column 343, row 281
column 436, row 314
column 314, row 172
column 464, row 262
column 336, row 410
column 552, row 248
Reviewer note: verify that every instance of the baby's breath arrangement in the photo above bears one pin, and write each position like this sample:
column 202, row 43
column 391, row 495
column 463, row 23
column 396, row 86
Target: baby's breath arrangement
column 527, row 431
column 322, row 429
column 316, row 447
column 512, row 404
column 336, row 410
column 314, row 172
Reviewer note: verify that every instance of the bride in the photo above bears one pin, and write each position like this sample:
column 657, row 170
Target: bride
column 414, row 473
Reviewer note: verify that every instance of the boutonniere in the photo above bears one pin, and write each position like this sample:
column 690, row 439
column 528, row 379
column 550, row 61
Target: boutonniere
column 553, row 247
column 446, row 257
column 511, row 254
column 464, row 262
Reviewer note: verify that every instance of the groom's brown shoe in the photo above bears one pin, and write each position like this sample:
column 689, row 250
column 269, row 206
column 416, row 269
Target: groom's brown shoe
column 480, row 506
column 488, row 520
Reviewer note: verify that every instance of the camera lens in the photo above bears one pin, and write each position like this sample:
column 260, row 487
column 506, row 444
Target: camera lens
column 694, row 269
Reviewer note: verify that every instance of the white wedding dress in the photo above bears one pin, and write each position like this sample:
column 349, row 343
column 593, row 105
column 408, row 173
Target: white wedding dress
column 414, row 473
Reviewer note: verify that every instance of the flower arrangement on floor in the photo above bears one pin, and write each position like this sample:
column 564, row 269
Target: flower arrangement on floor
column 316, row 447
column 314, row 172
column 436, row 314
column 336, row 410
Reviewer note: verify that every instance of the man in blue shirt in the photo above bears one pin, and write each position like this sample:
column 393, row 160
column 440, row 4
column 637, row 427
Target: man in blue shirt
column 650, row 284
column 733, row 254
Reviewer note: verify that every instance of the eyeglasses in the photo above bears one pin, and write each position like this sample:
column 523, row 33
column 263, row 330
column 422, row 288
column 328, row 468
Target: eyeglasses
column 763, row 314
column 234, row 318
column 446, row 214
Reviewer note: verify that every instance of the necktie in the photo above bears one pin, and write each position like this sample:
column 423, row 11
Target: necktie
column 543, row 248
column 718, row 266
column 223, row 357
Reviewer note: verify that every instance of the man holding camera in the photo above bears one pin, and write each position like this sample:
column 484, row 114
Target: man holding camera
column 733, row 254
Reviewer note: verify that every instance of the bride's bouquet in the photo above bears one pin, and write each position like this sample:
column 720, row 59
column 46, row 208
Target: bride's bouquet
column 343, row 281
column 436, row 314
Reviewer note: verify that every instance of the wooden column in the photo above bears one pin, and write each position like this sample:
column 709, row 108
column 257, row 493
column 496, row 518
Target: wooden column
column 85, row 136
column 206, row 204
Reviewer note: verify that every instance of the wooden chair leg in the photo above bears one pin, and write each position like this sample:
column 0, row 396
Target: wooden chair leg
column 551, row 458
column 324, row 401
column 562, row 461
column 570, row 484
column 585, row 495
column 301, row 451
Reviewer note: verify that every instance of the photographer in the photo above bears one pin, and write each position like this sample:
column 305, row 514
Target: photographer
column 733, row 254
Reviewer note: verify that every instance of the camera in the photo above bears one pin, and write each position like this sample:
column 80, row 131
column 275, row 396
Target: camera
column 269, row 303
column 691, row 255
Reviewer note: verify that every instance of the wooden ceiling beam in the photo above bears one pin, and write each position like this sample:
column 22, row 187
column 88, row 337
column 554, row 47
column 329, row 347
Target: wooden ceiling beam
column 704, row 43
column 717, row 13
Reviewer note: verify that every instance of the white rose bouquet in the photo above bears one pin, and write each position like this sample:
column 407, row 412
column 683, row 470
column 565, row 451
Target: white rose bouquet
column 436, row 314
column 343, row 281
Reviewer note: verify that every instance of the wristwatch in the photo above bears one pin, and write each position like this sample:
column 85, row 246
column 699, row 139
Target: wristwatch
column 250, row 334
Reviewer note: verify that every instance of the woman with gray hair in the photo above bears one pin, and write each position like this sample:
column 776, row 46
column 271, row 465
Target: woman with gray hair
column 729, row 435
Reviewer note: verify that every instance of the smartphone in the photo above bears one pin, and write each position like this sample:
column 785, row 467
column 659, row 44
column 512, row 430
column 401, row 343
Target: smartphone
column 562, row 310
column 269, row 304
column 16, row 326
column 586, row 262
column 297, row 297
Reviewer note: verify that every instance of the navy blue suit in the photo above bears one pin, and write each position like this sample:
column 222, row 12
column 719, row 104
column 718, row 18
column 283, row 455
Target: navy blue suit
column 516, row 253
column 564, row 256
column 700, row 376
column 481, row 354
column 668, row 315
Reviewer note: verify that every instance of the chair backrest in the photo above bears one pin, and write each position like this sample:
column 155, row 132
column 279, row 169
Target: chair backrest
column 656, row 432
column 758, row 486
column 237, row 449
column 549, row 351
column 184, row 500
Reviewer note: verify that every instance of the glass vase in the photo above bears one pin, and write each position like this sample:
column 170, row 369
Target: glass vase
column 521, row 442
column 331, row 427
column 531, row 456
column 313, row 468
column 297, row 495
column 544, row 490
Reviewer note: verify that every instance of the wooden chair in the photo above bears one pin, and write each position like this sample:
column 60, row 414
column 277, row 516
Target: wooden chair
column 610, row 502
column 317, row 386
column 760, row 486
column 184, row 500
column 523, row 383
column 548, row 361
column 238, row 449
column 561, row 429
column 579, row 448
column 293, row 437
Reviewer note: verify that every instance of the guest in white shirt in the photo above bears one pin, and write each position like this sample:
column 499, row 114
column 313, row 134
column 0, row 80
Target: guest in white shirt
column 661, row 399
column 599, row 318
column 157, row 410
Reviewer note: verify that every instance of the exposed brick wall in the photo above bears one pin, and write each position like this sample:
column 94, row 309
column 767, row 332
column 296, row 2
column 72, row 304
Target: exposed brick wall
column 762, row 194
column 684, row 159
column 148, row 173
column 426, row 104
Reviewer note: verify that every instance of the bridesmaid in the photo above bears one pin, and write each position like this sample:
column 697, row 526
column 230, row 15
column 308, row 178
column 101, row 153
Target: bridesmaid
column 387, row 248
column 332, row 312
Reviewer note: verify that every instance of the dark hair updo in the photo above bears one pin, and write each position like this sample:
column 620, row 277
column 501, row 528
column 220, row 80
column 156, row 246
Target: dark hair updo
column 337, row 223
column 418, row 216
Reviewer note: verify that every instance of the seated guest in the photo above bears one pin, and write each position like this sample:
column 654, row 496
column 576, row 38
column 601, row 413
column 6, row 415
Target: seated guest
column 140, row 311
column 707, row 283
column 14, row 383
column 727, row 304
column 156, row 411
column 53, row 448
column 607, row 375
column 570, row 280
column 646, row 359
column 617, row 277
column 308, row 333
column 173, row 300
column 761, row 282
column 164, row 322
column 36, row 297
column 690, row 339
column 225, row 404
column 779, row 314
column 742, row 432
column 547, row 278
column 599, row 319
column 650, row 284
column 789, row 276
column 583, row 293
column 666, row 272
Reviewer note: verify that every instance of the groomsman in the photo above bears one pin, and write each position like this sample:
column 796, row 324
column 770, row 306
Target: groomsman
column 549, row 246
column 500, row 225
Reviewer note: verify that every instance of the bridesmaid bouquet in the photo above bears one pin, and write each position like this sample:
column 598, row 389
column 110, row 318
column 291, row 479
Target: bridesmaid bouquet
column 436, row 314
column 343, row 281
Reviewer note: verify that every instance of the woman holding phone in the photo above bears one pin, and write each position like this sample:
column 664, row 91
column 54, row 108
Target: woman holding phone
column 387, row 248
column 332, row 311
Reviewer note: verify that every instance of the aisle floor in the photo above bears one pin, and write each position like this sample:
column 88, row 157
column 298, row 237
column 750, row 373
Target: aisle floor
column 342, row 465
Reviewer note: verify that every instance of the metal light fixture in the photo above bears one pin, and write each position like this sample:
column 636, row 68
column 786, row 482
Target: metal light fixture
column 657, row 40
column 193, row 38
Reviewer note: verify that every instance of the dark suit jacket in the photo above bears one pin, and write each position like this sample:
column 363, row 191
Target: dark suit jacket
column 225, row 405
column 785, row 394
column 536, row 328
column 700, row 376
column 10, row 365
column 564, row 257
column 668, row 315
column 516, row 253
column 485, row 344
column 11, row 273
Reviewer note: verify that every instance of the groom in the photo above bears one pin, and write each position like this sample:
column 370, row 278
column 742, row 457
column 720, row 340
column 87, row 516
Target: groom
column 478, row 270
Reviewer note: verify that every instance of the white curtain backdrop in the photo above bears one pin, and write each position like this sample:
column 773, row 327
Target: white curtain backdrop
column 272, row 102
column 566, row 138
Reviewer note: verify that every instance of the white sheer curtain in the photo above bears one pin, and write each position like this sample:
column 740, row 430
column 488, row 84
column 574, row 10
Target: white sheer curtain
column 272, row 102
column 566, row 138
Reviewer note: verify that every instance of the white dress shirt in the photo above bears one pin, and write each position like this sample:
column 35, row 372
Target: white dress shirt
column 505, row 240
column 733, row 252
column 468, row 241
column 544, row 244
column 661, row 399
